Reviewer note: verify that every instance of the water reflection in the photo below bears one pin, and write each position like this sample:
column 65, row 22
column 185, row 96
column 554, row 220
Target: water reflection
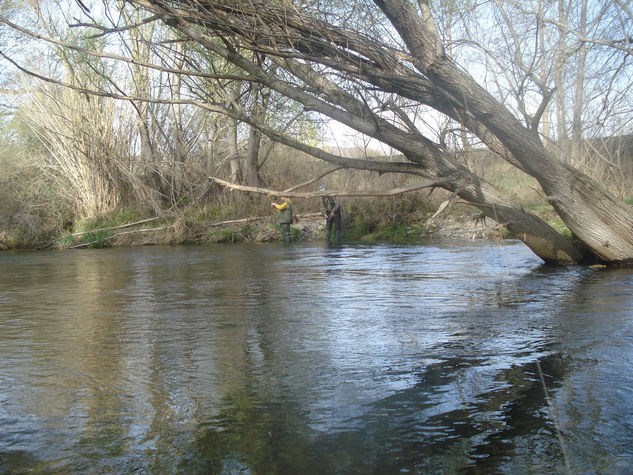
column 303, row 359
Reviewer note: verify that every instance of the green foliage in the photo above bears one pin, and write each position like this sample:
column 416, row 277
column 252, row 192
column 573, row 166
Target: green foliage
column 210, row 212
column 65, row 241
column 97, row 239
column 547, row 213
column 118, row 217
column 560, row 227
column 394, row 219
column 394, row 233
column 245, row 233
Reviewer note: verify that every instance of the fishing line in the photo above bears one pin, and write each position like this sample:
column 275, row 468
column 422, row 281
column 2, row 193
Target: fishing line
column 553, row 416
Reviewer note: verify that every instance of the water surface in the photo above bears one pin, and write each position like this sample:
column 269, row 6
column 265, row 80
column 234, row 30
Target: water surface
column 441, row 358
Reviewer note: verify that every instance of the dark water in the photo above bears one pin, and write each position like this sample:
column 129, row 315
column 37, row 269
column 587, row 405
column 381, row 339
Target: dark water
column 361, row 359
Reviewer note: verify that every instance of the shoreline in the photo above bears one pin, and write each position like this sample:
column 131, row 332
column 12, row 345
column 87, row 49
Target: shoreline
column 310, row 227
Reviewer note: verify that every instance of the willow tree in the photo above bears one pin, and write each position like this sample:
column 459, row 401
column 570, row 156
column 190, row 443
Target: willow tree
column 350, row 61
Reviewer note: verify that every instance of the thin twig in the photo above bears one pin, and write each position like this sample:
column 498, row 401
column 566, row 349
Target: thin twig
column 115, row 227
column 553, row 416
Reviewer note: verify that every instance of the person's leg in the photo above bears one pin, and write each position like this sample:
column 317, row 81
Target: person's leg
column 285, row 232
column 328, row 229
column 337, row 228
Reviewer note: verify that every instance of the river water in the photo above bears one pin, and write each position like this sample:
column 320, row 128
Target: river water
column 442, row 358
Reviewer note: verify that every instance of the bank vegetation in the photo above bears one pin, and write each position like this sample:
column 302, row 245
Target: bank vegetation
column 117, row 117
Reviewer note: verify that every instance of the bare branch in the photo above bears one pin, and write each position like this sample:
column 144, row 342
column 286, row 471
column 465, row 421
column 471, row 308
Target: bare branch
column 313, row 180
column 100, row 54
column 318, row 194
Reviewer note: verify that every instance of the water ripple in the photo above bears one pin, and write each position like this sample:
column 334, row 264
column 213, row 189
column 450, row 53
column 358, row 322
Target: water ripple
column 295, row 359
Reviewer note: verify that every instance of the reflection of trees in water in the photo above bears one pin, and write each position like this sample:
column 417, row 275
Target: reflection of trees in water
column 253, row 435
column 479, row 433
column 477, row 412
column 483, row 432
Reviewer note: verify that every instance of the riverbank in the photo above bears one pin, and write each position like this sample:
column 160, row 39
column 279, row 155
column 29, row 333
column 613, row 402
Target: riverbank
column 179, row 230
column 394, row 221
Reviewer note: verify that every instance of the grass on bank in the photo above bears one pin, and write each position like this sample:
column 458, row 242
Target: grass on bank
column 395, row 219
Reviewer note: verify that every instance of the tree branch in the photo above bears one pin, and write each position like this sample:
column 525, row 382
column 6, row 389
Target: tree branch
column 317, row 194
column 309, row 182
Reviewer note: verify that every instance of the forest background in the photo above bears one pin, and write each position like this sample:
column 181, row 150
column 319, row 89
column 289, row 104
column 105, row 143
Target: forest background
column 80, row 167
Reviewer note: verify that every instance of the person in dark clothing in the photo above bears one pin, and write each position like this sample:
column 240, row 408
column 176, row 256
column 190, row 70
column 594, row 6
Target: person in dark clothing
column 333, row 212
column 285, row 217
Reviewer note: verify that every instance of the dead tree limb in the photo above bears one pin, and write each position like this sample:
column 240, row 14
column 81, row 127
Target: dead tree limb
column 317, row 194
column 309, row 182
column 115, row 227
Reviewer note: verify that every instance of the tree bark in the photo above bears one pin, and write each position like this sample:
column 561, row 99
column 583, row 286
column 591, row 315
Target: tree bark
column 232, row 143
column 258, row 111
column 598, row 219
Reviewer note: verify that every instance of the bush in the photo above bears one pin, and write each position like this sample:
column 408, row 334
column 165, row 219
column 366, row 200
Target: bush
column 400, row 219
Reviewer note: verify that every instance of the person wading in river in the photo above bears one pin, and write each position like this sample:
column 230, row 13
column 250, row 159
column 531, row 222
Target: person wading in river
column 333, row 212
column 285, row 217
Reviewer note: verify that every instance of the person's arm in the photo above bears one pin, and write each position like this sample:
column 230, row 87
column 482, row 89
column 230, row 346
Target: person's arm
column 284, row 205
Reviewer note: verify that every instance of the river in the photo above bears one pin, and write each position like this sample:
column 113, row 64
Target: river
column 463, row 357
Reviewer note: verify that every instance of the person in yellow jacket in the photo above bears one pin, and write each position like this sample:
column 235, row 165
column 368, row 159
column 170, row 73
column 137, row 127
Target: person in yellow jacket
column 285, row 217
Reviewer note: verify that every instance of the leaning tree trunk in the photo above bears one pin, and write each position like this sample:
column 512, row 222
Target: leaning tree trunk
column 540, row 237
column 598, row 219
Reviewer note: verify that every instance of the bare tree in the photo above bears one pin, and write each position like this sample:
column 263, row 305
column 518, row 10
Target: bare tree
column 84, row 161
